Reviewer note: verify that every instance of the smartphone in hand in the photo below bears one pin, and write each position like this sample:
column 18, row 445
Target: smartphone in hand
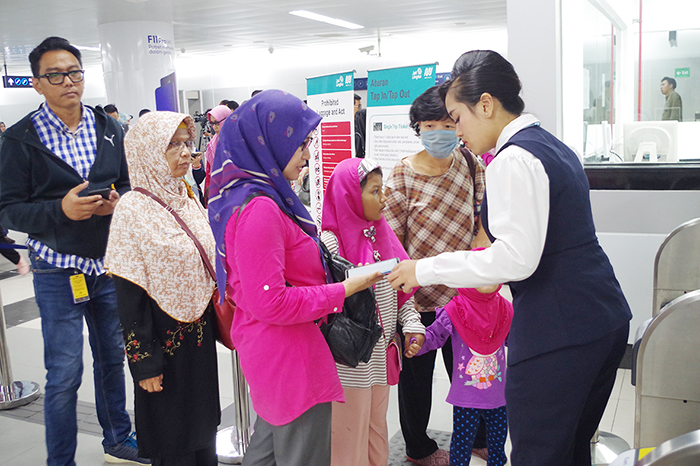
column 104, row 192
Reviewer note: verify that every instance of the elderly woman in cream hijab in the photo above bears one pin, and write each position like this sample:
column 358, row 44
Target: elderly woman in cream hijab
column 164, row 296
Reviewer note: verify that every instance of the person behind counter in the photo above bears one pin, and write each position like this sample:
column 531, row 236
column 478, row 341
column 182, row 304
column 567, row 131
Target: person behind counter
column 673, row 106
column 571, row 320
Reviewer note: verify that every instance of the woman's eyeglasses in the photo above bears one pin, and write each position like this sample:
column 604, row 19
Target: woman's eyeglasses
column 179, row 145
column 307, row 142
column 218, row 123
column 57, row 78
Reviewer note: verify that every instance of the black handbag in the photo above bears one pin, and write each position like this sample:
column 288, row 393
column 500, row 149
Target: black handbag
column 351, row 334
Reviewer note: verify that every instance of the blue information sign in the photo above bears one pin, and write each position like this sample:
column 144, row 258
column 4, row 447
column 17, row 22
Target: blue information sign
column 17, row 81
column 360, row 84
column 441, row 78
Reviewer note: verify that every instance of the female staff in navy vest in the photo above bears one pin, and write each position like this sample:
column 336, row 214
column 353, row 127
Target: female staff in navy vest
column 571, row 320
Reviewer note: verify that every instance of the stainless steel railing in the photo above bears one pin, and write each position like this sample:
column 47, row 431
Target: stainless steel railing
column 12, row 393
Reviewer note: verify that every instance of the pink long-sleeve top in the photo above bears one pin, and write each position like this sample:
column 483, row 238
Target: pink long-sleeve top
column 283, row 354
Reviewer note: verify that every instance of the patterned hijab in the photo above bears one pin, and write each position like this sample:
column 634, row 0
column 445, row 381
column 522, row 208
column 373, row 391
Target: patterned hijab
column 359, row 240
column 146, row 245
column 255, row 145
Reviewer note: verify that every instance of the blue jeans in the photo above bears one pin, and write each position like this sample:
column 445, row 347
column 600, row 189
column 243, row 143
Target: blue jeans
column 62, row 329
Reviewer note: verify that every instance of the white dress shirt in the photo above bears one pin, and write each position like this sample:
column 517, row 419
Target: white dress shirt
column 517, row 189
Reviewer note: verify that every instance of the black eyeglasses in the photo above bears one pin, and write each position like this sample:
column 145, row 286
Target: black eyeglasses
column 307, row 142
column 57, row 78
column 217, row 122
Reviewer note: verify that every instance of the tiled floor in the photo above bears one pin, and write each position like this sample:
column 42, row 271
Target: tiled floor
column 22, row 442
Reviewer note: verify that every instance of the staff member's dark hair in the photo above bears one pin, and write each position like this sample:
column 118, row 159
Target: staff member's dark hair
column 429, row 106
column 48, row 45
column 480, row 71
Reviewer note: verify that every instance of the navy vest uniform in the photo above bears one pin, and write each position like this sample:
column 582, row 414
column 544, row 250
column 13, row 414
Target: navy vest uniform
column 573, row 297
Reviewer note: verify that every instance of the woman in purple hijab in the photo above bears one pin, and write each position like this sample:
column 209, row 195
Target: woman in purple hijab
column 268, row 255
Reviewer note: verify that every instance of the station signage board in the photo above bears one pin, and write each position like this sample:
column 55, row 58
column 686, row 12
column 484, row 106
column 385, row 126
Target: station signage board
column 17, row 81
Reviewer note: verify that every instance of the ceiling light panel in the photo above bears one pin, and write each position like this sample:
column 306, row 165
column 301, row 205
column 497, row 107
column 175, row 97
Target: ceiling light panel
column 325, row 19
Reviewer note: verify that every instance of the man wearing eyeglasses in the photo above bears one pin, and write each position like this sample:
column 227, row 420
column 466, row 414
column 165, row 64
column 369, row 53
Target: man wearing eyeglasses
column 62, row 170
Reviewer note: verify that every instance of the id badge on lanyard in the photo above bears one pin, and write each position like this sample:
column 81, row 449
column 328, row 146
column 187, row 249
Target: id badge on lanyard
column 79, row 288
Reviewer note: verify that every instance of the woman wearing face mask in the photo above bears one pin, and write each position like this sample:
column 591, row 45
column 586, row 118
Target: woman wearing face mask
column 432, row 206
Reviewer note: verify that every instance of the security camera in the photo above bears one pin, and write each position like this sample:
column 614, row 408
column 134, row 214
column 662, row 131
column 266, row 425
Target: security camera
column 367, row 49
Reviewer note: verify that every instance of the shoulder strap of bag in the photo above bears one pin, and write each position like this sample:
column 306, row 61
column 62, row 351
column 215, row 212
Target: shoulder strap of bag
column 198, row 245
column 471, row 163
column 250, row 198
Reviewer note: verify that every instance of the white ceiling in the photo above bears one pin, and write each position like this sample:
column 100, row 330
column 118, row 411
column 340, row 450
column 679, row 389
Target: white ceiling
column 205, row 27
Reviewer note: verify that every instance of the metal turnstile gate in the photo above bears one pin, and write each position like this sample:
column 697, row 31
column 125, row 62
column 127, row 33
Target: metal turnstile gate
column 683, row 450
column 667, row 394
column 676, row 269
column 680, row 451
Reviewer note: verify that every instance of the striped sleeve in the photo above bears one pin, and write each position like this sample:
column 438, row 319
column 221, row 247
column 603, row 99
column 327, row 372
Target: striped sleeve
column 409, row 318
column 365, row 375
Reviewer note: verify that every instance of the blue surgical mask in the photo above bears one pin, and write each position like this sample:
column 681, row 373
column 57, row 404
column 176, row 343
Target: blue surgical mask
column 439, row 143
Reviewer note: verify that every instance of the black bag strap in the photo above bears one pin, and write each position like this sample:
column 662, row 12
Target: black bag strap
column 250, row 198
column 197, row 244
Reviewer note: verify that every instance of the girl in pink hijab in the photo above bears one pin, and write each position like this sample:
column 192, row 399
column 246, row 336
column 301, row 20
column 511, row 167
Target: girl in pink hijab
column 478, row 321
column 216, row 116
column 353, row 226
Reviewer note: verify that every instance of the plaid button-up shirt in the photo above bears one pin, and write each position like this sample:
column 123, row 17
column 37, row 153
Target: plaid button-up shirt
column 434, row 214
column 78, row 150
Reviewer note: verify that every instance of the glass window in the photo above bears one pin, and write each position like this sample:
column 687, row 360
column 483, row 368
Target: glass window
column 654, row 115
column 599, row 57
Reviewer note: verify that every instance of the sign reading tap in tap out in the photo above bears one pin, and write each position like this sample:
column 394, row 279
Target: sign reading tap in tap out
column 17, row 81
column 390, row 93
